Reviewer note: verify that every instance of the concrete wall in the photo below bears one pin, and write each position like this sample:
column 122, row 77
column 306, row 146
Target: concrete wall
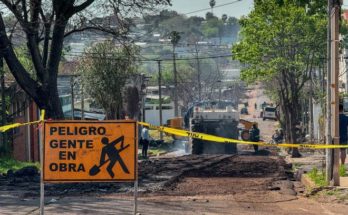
column 152, row 113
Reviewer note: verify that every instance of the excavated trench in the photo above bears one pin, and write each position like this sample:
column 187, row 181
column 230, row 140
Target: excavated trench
column 185, row 175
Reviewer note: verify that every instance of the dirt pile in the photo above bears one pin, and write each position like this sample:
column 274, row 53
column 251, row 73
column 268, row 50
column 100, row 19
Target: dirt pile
column 187, row 174
column 154, row 175
column 245, row 177
column 246, row 166
column 26, row 174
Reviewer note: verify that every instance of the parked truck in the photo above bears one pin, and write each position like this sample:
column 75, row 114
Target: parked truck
column 216, row 118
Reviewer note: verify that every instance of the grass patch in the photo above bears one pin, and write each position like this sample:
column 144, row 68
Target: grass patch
column 331, row 192
column 341, row 195
column 154, row 134
column 155, row 152
column 8, row 163
column 317, row 177
column 342, row 171
column 152, row 152
column 158, row 150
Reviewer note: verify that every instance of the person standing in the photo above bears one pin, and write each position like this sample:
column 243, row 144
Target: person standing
column 343, row 123
column 255, row 136
column 145, row 141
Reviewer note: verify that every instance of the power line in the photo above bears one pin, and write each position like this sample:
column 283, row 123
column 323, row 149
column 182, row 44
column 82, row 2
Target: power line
column 220, row 5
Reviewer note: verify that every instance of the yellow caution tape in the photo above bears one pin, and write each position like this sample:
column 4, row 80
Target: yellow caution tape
column 42, row 115
column 196, row 135
column 213, row 138
column 15, row 125
column 8, row 127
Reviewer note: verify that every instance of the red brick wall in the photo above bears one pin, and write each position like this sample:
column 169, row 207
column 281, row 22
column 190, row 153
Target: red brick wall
column 20, row 136
column 19, row 140
column 35, row 152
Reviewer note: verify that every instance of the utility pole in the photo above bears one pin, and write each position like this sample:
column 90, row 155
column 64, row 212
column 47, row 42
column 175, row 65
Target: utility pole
column 198, row 75
column 176, row 108
column 3, row 104
column 143, row 94
column 174, row 39
column 328, row 169
column 144, row 79
column 335, row 16
column 160, row 95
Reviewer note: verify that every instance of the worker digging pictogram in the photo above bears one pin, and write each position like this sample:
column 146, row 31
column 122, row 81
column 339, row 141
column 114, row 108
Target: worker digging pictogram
column 90, row 151
column 109, row 149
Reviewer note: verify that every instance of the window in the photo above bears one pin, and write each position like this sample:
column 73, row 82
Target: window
column 165, row 108
column 345, row 104
column 66, row 100
column 269, row 109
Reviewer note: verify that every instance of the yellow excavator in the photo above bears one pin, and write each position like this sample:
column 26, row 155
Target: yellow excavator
column 245, row 135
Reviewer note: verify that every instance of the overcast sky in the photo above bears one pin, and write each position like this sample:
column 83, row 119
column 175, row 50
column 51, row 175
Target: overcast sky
column 236, row 9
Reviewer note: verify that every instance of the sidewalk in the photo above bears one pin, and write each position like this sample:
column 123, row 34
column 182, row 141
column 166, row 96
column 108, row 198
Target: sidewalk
column 310, row 160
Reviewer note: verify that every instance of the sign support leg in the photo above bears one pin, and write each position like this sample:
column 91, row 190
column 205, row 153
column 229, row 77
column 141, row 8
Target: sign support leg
column 136, row 196
column 42, row 185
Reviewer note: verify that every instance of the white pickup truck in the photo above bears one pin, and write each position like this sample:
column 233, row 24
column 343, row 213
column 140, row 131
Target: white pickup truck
column 269, row 113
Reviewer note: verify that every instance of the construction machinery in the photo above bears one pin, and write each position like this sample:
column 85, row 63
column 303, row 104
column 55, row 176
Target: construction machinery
column 216, row 118
column 245, row 134
column 177, row 123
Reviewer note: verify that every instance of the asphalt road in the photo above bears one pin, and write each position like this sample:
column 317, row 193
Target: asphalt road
column 215, row 184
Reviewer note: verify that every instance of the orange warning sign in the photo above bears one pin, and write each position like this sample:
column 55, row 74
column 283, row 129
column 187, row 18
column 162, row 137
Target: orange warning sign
column 90, row 151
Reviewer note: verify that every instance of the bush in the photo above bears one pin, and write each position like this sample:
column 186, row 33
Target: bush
column 8, row 163
column 317, row 177
column 342, row 171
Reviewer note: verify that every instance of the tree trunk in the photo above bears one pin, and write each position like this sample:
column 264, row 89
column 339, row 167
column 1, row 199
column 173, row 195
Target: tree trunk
column 53, row 106
column 293, row 121
column 290, row 111
column 44, row 94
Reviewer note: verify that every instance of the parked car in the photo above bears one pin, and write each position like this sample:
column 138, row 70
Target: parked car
column 269, row 113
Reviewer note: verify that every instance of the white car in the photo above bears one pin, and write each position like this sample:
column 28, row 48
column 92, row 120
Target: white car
column 269, row 113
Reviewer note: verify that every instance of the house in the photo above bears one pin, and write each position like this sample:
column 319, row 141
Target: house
column 25, row 139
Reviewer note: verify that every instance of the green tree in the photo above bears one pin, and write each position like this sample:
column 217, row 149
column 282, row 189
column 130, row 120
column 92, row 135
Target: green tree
column 45, row 25
column 224, row 18
column 281, row 45
column 105, row 69
column 214, row 27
